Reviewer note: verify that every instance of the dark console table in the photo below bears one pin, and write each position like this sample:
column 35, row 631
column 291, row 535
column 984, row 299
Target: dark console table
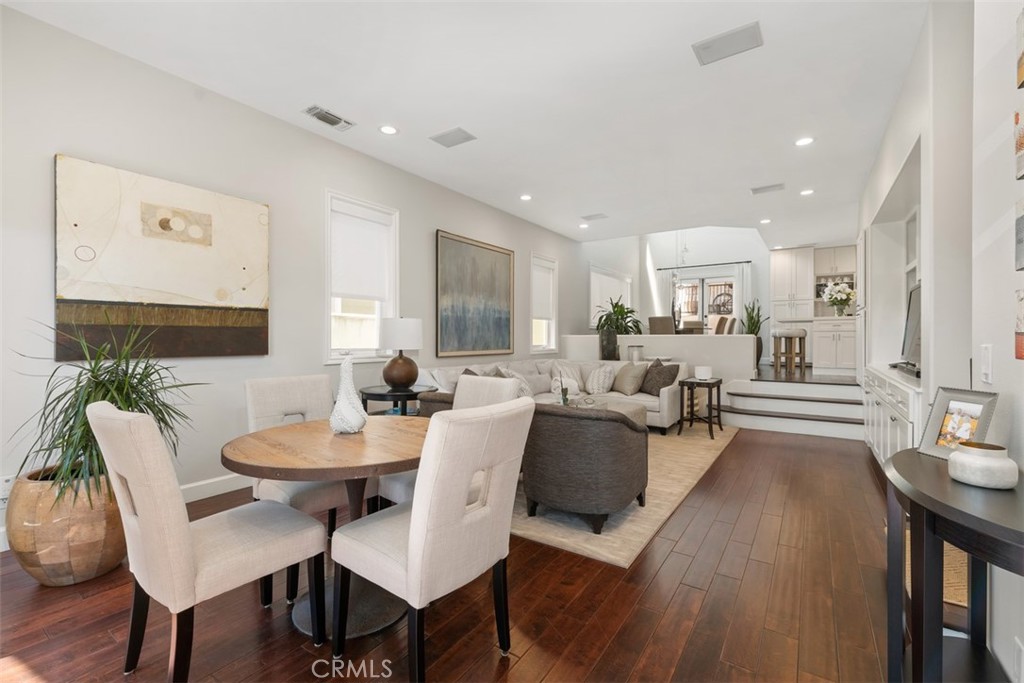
column 987, row 524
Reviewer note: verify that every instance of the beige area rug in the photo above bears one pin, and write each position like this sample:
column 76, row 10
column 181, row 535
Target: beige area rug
column 674, row 465
column 954, row 573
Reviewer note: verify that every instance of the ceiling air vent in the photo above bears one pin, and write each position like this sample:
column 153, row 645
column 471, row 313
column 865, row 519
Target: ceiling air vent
column 331, row 119
column 764, row 189
column 728, row 44
column 594, row 217
column 453, row 137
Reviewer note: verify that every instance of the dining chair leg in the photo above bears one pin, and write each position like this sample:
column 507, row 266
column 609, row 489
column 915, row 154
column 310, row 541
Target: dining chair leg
column 332, row 521
column 181, row 645
column 417, row 656
column 291, row 583
column 500, row 585
column 315, row 575
column 266, row 590
column 339, row 616
column 136, row 628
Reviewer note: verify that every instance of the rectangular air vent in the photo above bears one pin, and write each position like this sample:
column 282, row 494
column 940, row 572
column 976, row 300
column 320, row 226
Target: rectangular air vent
column 728, row 44
column 594, row 217
column 764, row 189
column 330, row 118
column 453, row 137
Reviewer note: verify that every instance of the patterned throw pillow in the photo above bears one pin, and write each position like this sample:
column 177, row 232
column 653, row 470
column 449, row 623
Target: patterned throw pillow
column 601, row 379
column 522, row 386
column 567, row 382
column 658, row 377
column 629, row 378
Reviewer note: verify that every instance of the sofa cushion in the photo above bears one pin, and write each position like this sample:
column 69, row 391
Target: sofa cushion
column 649, row 402
column 568, row 370
column 558, row 383
column 523, row 389
column 629, row 378
column 538, row 383
column 658, row 377
column 600, row 379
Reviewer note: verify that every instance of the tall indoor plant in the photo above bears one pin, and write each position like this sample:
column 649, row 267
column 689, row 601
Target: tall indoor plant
column 617, row 319
column 59, row 535
column 752, row 322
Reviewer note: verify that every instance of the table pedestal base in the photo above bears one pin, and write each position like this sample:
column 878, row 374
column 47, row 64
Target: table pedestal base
column 370, row 608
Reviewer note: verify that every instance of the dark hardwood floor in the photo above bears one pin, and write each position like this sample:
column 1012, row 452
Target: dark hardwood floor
column 772, row 569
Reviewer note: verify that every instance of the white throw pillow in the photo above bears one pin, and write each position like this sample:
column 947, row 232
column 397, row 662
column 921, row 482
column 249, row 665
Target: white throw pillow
column 572, row 385
column 568, row 370
column 601, row 379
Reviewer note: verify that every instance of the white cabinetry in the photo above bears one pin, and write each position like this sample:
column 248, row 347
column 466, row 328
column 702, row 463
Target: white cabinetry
column 892, row 408
column 835, row 343
column 835, row 261
column 792, row 282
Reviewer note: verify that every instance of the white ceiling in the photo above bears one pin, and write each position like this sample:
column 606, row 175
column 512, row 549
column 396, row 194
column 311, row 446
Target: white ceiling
column 589, row 107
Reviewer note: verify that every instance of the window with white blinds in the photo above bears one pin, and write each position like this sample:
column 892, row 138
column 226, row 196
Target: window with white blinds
column 362, row 267
column 543, row 304
column 606, row 285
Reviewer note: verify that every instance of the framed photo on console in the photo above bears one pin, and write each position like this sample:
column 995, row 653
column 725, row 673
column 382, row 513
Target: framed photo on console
column 957, row 415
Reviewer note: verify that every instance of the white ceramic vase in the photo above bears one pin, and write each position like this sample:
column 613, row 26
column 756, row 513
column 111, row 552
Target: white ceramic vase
column 348, row 416
column 983, row 464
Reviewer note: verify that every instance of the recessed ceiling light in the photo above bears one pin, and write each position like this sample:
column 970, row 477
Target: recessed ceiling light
column 777, row 246
column 584, row 225
column 806, row 192
column 803, row 142
column 766, row 221
column 388, row 130
column 526, row 197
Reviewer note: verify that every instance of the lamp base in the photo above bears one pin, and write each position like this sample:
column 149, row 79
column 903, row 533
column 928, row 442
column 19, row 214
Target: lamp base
column 400, row 372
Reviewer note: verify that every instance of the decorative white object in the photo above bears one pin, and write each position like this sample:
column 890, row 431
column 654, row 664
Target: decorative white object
column 983, row 464
column 702, row 372
column 635, row 352
column 348, row 416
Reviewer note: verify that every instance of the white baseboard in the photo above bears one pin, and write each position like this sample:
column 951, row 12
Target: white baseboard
column 195, row 491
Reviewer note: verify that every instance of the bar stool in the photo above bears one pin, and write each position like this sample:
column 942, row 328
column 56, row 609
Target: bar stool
column 790, row 343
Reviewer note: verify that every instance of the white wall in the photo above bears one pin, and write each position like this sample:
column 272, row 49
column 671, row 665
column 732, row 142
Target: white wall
column 62, row 94
column 621, row 255
column 993, row 306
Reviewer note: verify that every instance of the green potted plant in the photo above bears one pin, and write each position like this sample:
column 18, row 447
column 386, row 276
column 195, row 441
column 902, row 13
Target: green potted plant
column 752, row 322
column 58, row 535
column 617, row 319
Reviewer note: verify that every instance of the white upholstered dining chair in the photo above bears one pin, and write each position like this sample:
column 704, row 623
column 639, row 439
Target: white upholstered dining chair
column 423, row 550
column 180, row 563
column 470, row 392
column 274, row 401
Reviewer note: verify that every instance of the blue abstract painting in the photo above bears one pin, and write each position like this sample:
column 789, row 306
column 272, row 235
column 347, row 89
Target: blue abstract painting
column 474, row 297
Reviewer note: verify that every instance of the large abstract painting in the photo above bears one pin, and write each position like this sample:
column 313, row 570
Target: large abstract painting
column 474, row 297
column 188, row 265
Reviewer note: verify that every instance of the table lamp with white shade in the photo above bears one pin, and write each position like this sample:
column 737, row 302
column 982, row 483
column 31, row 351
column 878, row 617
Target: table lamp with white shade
column 403, row 334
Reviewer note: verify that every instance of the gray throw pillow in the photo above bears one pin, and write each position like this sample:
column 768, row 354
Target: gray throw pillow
column 658, row 377
column 629, row 378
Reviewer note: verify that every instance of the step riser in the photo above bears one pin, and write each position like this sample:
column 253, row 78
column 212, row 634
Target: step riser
column 812, row 427
column 850, row 391
column 802, row 407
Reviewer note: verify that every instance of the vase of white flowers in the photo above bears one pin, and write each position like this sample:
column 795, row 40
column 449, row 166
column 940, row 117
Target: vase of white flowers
column 839, row 295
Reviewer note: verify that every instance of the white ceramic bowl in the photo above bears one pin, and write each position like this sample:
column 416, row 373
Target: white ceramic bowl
column 702, row 372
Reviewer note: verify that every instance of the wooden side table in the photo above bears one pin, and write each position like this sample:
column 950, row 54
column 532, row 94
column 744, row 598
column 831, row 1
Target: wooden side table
column 987, row 524
column 399, row 397
column 688, row 393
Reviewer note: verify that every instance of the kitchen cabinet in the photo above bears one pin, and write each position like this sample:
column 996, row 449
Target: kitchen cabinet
column 797, row 309
column 792, row 274
column 835, row 343
column 835, row 261
column 892, row 408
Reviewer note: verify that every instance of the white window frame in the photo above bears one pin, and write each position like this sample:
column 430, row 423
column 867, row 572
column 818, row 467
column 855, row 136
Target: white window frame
column 627, row 286
column 548, row 263
column 388, row 308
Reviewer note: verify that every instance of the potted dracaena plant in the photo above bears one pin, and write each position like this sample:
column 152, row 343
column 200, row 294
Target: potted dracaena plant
column 63, row 523
column 752, row 321
column 616, row 319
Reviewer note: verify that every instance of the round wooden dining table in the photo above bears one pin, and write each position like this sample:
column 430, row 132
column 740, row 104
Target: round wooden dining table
column 311, row 451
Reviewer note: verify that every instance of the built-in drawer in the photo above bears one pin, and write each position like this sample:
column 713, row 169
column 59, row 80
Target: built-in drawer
column 899, row 397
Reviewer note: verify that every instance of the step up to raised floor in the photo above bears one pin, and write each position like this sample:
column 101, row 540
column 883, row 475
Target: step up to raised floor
column 795, row 422
column 828, row 406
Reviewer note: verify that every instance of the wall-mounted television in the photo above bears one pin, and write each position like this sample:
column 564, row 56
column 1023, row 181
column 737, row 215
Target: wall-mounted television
column 910, row 355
